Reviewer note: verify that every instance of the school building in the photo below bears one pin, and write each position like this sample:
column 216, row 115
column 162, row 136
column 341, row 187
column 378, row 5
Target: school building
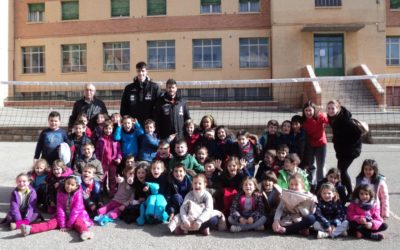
column 203, row 40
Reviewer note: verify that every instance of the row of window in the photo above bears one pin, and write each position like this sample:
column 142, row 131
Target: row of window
column 207, row 53
column 120, row 8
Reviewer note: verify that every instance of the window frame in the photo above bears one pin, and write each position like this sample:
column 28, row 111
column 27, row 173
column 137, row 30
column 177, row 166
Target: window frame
column 153, row 3
column 120, row 2
column 258, row 63
column 82, row 68
column 158, row 47
column 203, row 64
column 388, row 57
column 248, row 5
column 121, row 49
column 63, row 5
column 40, row 54
column 328, row 3
column 36, row 16
column 395, row 7
column 207, row 6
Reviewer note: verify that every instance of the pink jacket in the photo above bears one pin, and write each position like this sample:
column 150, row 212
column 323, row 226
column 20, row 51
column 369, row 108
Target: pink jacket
column 77, row 209
column 315, row 130
column 108, row 150
column 356, row 213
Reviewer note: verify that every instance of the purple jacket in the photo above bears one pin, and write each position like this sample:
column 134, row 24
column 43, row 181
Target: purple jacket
column 15, row 202
column 77, row 209
column 108, row 150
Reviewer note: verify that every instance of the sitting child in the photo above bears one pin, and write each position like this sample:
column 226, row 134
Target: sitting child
column 91, row 190
column 179, row 185
column 333, row 177
column 38, row 176
column 59, row 172
column 271, row 195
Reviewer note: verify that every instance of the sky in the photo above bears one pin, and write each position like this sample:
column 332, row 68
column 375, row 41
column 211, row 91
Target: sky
column 3, row 40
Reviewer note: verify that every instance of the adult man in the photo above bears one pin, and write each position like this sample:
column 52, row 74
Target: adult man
column 139, row 97
column 170, row 113
column 89, row 105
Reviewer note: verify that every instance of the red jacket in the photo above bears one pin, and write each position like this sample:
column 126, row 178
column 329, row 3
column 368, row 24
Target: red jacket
column 315, row 130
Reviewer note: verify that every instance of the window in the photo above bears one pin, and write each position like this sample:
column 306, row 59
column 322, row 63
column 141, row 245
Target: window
column 393, row 51
column 33, row 59
column 70, row 10
column 328, row 3
column 116, row 56
column 161, row 54
column 253, row 52
column 156, row 7
column 74, row 58
column 210, row 6
column 207, row 53
column 36, row 12
column 395, row 4
column 249, row 5
column 119, row 8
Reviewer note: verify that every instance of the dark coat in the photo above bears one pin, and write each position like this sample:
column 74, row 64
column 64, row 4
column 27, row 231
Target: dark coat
column 91, row 109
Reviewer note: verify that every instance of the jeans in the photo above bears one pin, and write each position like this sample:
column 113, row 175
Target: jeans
column 246, row 227
column 315, row 174
column 343, row 165
column 339, row 229
column 212, row 222
column 305, row 223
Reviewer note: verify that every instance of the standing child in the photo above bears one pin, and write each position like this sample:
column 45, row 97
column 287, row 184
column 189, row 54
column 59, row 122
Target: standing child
column 116, row 119
column 248, row 149
column 59, row 171
column 268, row 164
column 179, row 185
column 295, row 213
column 50, row 138
column 269, row 139
column 84, row 118
column 207, row 122
column 108, row 152
column 247, row 210
column 333, row 177
column 164, row 152
column 183, row 157
column 91, row 189
column 71, row 212
column 148, row 142
column 224, row 141
column 88, row 157
column 78, row 138
column 290, row 168
column 364, row 216
column 298, row 140
column 191, row 135
column 128, row 136
column 98, row 130
column 23, row 209
column 284, row 137
column 271, row 195
column 38, row 176
column 330, row 213
column 370, row 175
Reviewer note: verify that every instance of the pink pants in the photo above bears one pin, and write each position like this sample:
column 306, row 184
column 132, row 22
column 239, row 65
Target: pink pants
column 112, row 208
column 110, row 172
column 52, row 224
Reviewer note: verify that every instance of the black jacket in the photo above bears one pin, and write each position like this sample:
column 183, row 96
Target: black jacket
column 91, row 109
column 138, row 99
column 170, row 116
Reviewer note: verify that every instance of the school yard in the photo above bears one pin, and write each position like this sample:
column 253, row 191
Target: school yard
column 17, row 157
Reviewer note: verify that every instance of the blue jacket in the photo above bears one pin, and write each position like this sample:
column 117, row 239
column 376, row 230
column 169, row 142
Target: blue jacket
column 129, row 140
column 148, row 145
column 94, row 197
column 47, row 145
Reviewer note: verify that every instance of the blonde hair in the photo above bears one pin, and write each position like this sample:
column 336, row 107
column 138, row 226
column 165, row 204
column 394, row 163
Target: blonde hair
column 330, row 187
column 40, row 161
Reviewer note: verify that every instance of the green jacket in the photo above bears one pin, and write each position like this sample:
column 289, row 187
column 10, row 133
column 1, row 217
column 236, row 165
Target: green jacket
column 188, row 161
column 283, row 179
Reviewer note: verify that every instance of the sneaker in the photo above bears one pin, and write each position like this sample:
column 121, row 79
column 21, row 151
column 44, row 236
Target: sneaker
column 86, row 235
column 205, row 231
column 221, row 223
column 25, row 229
column 321, row 235
column 377, row 236
column 358, row 235
column 260, row 228
column 235, row 229
column 13, row 226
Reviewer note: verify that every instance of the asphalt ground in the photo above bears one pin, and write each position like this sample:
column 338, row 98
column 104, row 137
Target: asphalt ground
column 17, row 157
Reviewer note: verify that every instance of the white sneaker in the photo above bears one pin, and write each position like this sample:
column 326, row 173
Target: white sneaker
column 235, row 229
column 322, row 235
column 86, row 235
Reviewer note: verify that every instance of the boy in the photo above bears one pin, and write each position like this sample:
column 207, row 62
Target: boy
column 268, row 164
column 77, row 139
column 298, row 140
column 88, row 157
column 268, row 140
column 182, row 157
column 180, row 184
column 128, row 136
column 213, row 171
column 148, row 142
column 281, row 152
column 91, row 189
column 290, row 168
column 164, row 152
column 50, row 139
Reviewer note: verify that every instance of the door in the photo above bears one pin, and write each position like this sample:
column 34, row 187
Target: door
column 328, row 55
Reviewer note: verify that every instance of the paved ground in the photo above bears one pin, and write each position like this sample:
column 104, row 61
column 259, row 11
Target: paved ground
column 17, row 157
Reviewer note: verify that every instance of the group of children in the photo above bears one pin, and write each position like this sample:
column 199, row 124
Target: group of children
column 121, row 171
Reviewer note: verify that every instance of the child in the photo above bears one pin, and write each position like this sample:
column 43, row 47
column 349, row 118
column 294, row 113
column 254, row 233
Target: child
column 370, row 175
column 183, row 157
column 88, row 156
column 38, row 176
column 158, row 175
column 91, row 190
column 247, row 210
column 282, row 152
column 364, row 216
column 98, row 130
column 128, row 136
column 201, row 154
column 77, row 139
column 290, row 168
column 208, row 141
column 127, row 161
column 333, row 177
column 298, row 140
column 269, row 139
column 50, row 138
column 271, row 195
column 148, row 142
column 284, row 137
column 207, row 122
column 330, row 213
column 116, row 120
column 224, row 141
column 122, row 198
column 247, row 148
column 59, row 172
column 23, row 209
column 295, row 213
column 212, row 171
column 82, row 117
column 191, row 135
column 196, row 213
column 180, row 184
column 164, row 152
column 268, row 164
column 70, row 212
column 108, row 152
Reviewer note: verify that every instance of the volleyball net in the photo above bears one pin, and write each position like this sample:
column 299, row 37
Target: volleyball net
column 247, row 104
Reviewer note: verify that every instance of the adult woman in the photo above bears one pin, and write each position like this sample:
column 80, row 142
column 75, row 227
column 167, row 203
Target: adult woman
column 346, row 139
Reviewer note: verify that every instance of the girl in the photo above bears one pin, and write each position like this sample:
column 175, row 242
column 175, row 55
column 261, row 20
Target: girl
column 330, row 213
column 201, row 155
column 37, row 176
column 59, row 172
column 284, row 137
column 109, row 153
column 197, row 210
column 370, row 175
column 191, row 135
column 295, row 213
column 116, row 119
column 333, row 177
column 268, row 164
column 290, row 168
column 122, row 198
column 158, row 175
column 248, row 149
column 224, row 141
column 247, row 210
column 71, row 212
column 271, row 195
column 98, row 130
column 207, row 122
column 84, row 118
column 314, row 126
column 364, row 216
column 346, row 139
column 23, row 209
